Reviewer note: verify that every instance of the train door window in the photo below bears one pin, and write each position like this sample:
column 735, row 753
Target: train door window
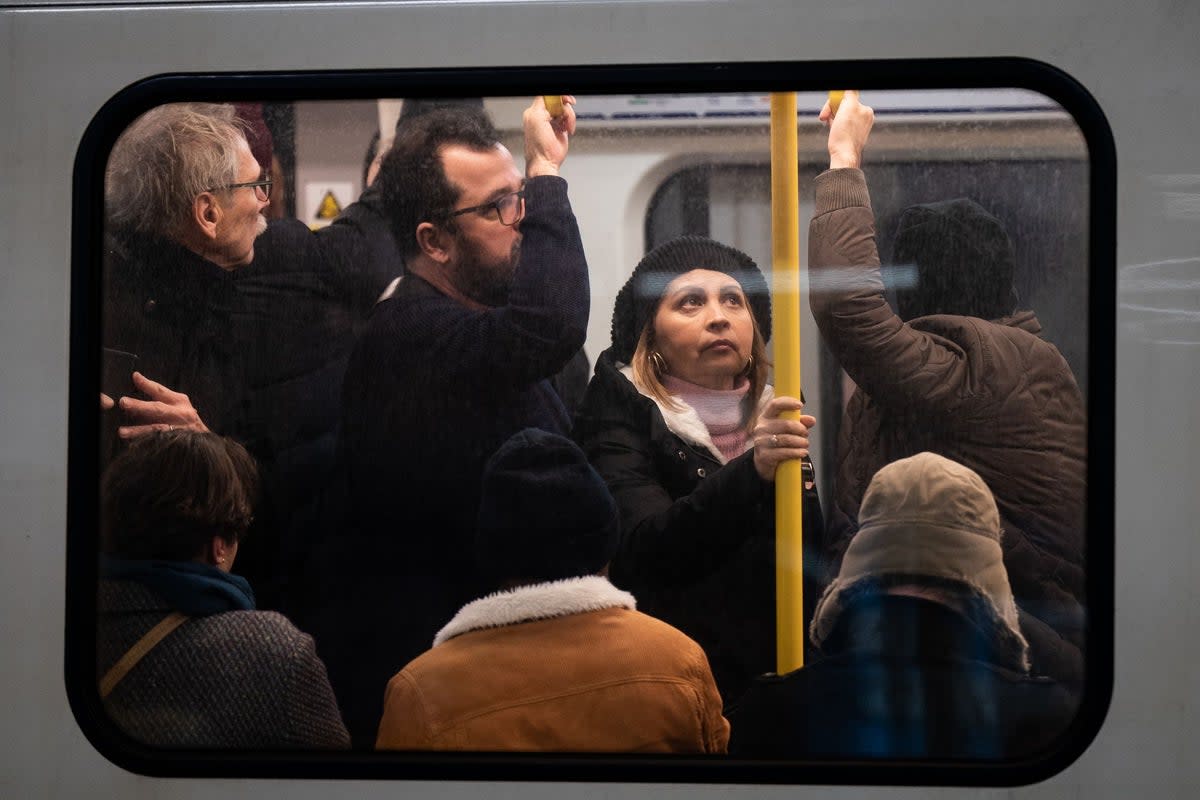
column 321, row 319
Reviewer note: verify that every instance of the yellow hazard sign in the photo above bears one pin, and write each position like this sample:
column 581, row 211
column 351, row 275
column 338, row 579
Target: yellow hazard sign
column 329, row 207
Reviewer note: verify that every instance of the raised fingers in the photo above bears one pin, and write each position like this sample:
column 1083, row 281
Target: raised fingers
column 154, row 390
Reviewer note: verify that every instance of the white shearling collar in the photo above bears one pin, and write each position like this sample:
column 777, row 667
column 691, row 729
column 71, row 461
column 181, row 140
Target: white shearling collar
column 685, row 422
column 537, row 601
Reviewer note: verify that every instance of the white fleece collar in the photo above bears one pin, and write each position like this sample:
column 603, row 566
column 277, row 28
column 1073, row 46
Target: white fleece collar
column 686, row 423
column 538, row 601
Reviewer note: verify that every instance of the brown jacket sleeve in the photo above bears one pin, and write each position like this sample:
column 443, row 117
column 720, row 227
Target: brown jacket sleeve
column 847, row 300
column 405, row 725
column 714, row 728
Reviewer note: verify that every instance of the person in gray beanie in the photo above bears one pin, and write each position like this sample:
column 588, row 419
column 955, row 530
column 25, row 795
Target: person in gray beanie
column 681, row 422
column 960, row 371
column 922, row 653
column 559, row 659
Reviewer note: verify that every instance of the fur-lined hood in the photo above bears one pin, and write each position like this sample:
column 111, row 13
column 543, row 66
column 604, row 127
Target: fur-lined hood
column 686, row 423
column 537, row 601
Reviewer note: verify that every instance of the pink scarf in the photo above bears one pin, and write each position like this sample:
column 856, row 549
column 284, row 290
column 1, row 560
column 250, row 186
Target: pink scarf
column 719, row 409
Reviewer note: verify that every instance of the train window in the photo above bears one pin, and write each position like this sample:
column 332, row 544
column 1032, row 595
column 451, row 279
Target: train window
column 414, row 457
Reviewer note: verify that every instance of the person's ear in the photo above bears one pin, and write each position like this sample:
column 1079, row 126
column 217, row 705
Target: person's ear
column 221, row 552
column 435, row 242
column 207, row 213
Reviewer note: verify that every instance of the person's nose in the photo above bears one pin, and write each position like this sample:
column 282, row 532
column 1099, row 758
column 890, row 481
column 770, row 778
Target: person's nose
column 717, row 318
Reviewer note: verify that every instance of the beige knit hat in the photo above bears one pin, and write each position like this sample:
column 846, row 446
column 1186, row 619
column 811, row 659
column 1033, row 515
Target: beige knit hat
column 929, row 517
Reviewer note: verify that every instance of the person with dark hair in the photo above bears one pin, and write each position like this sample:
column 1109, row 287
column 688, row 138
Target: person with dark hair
column 182, row 657
column 680, row 421
column 922, row 652
column 453, row 361
column 960, row 372
column 559, row 659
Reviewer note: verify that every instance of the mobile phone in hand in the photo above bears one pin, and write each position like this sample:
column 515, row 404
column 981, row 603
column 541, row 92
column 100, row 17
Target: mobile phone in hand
column 116, row 373
column 116, row 381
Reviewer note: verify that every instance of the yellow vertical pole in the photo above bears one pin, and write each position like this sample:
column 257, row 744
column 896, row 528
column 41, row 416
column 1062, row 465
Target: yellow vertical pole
column 789, row 479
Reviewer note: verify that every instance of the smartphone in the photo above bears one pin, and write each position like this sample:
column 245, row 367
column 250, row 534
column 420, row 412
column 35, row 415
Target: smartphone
column 116, row 381
column 116, row 374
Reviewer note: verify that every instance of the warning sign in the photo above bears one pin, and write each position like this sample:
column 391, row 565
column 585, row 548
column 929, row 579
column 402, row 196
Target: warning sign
column 329, row 207
column 323, row 202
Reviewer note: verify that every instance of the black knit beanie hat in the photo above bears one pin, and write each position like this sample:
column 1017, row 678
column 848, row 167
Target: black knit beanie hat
column 545, row 513
column 963, row 258
column 639, row 297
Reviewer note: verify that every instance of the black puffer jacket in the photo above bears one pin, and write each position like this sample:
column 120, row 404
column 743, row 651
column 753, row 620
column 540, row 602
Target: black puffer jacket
column 697, row 536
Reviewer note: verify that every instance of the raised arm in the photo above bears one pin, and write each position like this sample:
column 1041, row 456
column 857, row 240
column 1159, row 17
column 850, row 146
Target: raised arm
column 544, row 322
column 893, row 362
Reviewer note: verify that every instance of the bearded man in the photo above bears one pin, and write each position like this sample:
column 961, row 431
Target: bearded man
column 456, row 359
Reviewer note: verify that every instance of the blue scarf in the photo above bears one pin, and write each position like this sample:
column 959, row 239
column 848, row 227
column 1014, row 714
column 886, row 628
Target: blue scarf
column 192, row 588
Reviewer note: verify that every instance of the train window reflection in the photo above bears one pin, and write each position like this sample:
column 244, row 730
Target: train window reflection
column 462, row 425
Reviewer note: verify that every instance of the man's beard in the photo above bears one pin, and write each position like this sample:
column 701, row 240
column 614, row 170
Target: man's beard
column 487, row 282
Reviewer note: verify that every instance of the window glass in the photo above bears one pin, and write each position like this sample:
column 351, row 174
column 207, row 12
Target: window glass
column 499, row 449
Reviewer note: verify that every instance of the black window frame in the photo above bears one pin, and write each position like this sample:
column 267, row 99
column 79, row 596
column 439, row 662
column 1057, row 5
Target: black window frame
column 703, row 78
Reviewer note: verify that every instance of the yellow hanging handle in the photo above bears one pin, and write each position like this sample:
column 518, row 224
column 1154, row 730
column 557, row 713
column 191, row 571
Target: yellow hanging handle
column 835, row 100
column 554, row 104
column 789, row 477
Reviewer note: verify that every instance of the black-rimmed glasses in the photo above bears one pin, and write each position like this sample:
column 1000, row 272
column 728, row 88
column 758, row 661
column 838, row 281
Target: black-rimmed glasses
column 262, row 186
column 509, row 208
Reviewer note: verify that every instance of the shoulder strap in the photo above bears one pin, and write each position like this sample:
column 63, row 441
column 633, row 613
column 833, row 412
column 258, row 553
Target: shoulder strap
column 142, row 646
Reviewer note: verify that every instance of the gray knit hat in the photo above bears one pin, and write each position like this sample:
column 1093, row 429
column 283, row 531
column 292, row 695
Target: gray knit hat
column 927, row 517
column 639, row 297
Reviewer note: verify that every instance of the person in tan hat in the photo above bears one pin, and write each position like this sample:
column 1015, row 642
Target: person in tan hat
column 923, row 656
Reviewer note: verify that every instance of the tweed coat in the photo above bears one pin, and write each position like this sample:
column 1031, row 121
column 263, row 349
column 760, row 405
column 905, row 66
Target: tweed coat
column 240, row 679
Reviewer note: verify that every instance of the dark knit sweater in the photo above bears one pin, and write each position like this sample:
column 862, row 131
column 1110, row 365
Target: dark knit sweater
column 432, row 390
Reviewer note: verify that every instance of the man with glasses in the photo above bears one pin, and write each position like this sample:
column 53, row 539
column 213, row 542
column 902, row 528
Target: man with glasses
column 237, row 327
column 455, row 360
column 184, row 202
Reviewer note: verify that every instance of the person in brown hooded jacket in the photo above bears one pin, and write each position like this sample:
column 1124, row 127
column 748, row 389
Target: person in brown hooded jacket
column 959, row 372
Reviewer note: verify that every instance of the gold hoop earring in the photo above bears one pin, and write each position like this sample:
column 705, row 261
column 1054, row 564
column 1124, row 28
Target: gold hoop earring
column 749, row 370
column 659, row 363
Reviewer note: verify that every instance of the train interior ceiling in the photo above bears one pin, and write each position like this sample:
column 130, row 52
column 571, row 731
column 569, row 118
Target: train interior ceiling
column 652, row 167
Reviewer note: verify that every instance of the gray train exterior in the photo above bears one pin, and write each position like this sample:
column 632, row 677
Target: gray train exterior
column 64, row 61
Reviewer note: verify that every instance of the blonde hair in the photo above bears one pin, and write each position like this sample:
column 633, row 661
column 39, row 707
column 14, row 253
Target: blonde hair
column 647, row 378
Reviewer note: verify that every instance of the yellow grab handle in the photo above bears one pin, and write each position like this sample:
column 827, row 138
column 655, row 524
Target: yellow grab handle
column 554, row 104
column 835, row 100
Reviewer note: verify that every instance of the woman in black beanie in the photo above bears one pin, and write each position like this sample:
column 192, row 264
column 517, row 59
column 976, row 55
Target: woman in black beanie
column 681, row 423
